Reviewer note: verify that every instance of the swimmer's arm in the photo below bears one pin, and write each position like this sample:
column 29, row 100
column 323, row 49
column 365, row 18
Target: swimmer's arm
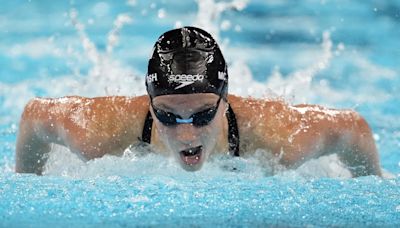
column 89, row 127
column 357, row 149
column 348, row 135
column 37, row 130
column 310, row 131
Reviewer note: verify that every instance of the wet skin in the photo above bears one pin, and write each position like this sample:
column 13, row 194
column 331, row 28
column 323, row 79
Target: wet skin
column 188, row 137
column 93, row 127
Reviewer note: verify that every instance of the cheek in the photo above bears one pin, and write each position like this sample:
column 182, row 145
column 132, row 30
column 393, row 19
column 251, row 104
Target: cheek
column 208, row 133
column 165, row 133
column 170, row 136
column 211, row 133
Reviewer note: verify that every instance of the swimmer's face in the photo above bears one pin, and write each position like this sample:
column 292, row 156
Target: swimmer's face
column 193, row 138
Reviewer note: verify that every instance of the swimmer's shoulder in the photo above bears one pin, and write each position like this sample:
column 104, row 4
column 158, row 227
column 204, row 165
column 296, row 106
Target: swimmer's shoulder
column 84, row 112
column 258, row 119
column 256, row 109
column 80, row 99
column 321, row 114
column 250, row 108
column 104, row 123
column 73, row 104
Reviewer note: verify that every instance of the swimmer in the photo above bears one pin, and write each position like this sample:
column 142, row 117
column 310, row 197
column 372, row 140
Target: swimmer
column 189, row 115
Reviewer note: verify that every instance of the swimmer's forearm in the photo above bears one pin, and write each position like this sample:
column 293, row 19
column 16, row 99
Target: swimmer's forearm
column 31, row 155
column 360, row 154
column 37, row 130
column 31, row 151
column 361, row 162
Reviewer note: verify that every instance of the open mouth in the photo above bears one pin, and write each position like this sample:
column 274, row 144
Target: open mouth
column 192, row 156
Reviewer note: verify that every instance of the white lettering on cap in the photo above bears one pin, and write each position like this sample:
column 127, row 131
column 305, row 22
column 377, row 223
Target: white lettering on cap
column 151, row 78
column 221, row 75
column 185, row 79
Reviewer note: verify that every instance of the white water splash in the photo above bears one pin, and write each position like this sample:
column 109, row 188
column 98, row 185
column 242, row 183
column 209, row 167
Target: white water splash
column 106, row 76
column 298, row 83
column 113, row 35
column 209, row 14
column 106, row 72
column 63, row 162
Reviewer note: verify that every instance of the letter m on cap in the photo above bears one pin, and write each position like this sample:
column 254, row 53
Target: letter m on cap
column 221, row 75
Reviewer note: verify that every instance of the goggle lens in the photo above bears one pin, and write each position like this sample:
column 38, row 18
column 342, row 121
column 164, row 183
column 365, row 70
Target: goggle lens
column 198, row 119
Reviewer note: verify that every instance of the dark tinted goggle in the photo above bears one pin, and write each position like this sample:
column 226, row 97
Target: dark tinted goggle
column 198, row 119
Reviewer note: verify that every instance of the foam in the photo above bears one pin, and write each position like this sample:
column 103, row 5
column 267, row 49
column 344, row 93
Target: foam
column 140, row 162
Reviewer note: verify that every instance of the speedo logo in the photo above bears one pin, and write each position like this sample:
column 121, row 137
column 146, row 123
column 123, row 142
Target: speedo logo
column 185, row 79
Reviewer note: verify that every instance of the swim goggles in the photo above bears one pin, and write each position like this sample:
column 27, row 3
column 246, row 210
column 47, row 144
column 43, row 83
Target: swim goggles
column 198, row 119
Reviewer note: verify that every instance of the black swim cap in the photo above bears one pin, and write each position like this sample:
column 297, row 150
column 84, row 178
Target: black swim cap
column 184, row 61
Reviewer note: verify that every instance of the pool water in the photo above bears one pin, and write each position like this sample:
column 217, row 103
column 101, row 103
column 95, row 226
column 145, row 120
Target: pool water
column 342, row 54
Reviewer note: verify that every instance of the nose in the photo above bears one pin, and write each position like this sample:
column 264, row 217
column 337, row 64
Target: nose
column 186, row 133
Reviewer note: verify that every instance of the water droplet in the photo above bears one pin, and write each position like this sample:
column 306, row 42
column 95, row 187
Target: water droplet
column 238, row 28
column 178, row 24
column 225, row 25
column 161, row 13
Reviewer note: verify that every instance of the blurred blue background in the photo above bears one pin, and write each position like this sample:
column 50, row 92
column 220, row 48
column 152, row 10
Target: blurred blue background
column 341, row 54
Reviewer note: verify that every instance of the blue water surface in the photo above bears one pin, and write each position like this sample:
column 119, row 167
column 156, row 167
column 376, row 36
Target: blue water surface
column 349, row 51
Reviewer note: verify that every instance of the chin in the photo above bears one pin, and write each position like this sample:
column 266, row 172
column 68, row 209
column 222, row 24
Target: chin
column 192, row 168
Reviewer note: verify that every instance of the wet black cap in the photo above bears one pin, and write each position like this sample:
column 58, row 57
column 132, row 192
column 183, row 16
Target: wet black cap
column 184, row 61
